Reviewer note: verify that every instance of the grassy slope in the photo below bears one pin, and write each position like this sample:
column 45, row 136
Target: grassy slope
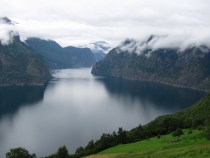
column 191, row 145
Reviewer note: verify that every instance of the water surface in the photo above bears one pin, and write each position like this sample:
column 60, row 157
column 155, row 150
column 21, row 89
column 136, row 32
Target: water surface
column 76, row 107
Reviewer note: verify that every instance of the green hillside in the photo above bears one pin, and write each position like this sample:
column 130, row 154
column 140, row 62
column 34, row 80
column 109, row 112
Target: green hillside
column 190, row 144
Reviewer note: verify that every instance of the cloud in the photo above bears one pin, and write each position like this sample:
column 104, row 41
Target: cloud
column 6, row 33
column 155, row 42
column 81, row 22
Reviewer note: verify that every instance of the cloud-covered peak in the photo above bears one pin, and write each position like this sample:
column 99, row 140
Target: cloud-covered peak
column 99, row 47
column 5, row 20
column 7, row 30
column 155, row 42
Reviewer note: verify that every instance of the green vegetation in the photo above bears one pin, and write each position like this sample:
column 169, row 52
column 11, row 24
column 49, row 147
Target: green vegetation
column 19, row 153
column 61, row 153
column 188, row 145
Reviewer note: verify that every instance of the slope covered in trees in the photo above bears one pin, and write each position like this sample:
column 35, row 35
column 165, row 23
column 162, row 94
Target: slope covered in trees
column 19, row 65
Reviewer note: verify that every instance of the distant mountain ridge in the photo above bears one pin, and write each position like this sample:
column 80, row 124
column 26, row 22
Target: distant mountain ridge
column 137, row 61
column 57, row 57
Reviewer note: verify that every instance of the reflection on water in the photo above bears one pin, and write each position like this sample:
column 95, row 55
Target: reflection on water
column 76, row 107
column 12, row 98
column 163, row 96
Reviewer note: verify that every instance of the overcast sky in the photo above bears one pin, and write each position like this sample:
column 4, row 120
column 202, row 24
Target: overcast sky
column 78, row 22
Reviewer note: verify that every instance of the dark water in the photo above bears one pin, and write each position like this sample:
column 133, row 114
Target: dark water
column 76, row 107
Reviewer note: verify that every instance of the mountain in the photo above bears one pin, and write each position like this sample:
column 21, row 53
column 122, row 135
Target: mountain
column 80, row 57
column 57, row 57
column 99, row 49
column 139, row 61
column 7, row 21
column 19, row 65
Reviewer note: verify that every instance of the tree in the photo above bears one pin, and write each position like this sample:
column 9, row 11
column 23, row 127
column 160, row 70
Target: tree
column 79, row 150
column 62, row 152
column 121, row 136
column 90, row 147
column 19, row 153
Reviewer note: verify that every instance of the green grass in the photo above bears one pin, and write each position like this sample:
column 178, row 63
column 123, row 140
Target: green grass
column 187, row 145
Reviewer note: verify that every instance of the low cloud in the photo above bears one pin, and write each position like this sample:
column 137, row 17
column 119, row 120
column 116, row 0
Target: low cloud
column 155, row 42
column 7, row 31
column 100, row 46
column 81, row 22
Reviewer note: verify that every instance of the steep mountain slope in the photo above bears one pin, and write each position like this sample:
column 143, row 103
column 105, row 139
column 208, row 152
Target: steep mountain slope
column 51, row 51
column 57, row 57
column 20, row 66
column 189, row 68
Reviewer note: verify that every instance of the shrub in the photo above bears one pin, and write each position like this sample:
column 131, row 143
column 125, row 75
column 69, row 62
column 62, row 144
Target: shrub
column 178, row 132
column 190, row 131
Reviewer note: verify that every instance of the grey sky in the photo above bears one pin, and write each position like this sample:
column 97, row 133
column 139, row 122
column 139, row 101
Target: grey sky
column 78, row 22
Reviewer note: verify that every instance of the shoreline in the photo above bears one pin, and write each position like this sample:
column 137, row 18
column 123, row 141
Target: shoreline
column 23, row 84
column 165, row 83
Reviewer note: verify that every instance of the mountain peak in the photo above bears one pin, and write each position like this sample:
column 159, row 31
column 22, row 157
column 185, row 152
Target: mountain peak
column 6, row 20
column 151, row 37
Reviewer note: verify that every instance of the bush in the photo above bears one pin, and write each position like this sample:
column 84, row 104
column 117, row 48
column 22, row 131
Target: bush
column 200, row 127
column 178, row 132
column 190, row 131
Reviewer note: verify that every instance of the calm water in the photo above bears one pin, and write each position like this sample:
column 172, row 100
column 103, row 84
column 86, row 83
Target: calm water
column 76, row 107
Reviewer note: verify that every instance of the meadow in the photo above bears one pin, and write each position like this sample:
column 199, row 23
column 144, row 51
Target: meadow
column 192, row 143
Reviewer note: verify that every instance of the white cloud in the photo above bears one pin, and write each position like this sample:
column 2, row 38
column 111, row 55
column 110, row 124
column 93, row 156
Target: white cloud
column 5, row 33
column 79, row 22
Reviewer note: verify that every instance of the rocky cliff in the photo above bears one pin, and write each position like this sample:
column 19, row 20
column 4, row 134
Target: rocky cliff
column 185, row 68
